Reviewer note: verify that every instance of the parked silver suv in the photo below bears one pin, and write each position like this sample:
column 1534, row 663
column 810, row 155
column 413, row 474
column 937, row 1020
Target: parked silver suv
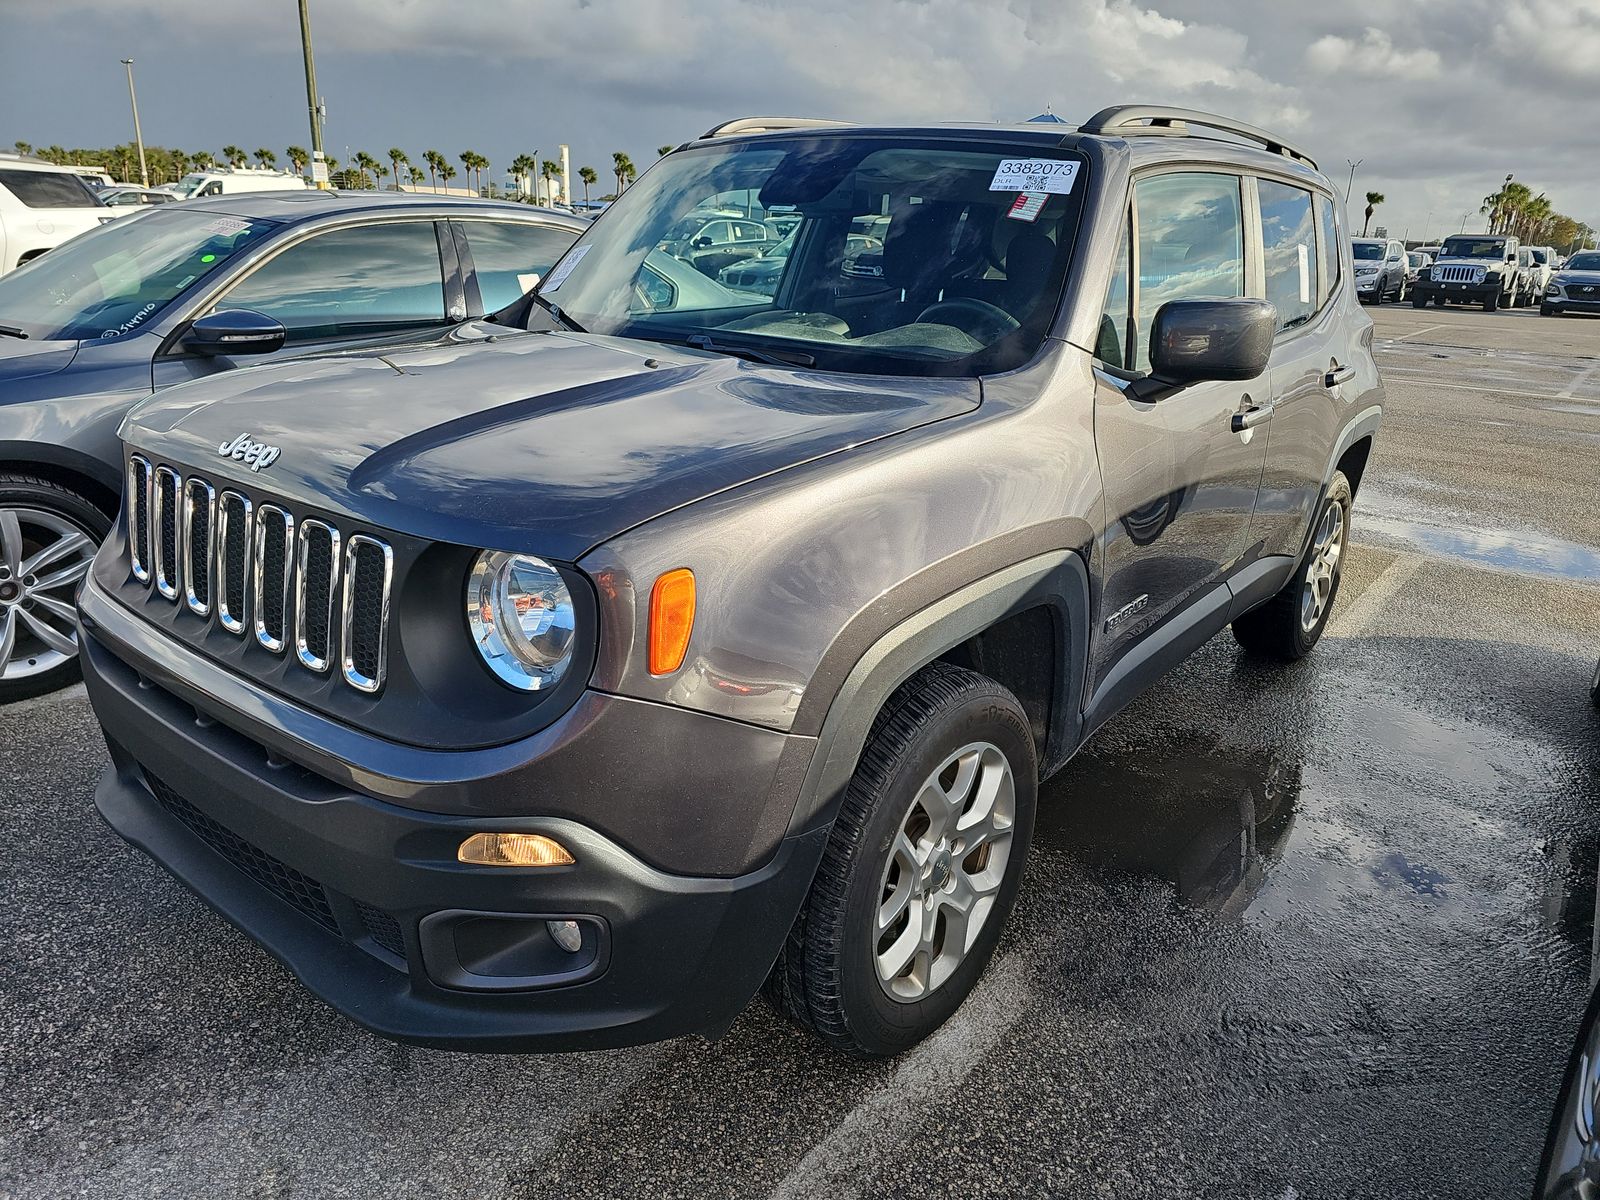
column 560, row 684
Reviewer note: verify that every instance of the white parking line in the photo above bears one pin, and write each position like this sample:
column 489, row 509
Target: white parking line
column 1419, row 332
column 1467, row 387
column 1361, row 617
column 1582, row 379
column 921, row 1085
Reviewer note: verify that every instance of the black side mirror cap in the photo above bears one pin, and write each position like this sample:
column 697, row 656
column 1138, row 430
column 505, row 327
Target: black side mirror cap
column 1192, row 341
column 235, row 331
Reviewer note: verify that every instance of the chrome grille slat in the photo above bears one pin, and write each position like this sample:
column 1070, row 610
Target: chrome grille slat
column 255, row 568
column 235, row 531
column 167, row 489
column 316, row 572
column 139, row 477
column 271, row 575
column 199, row 532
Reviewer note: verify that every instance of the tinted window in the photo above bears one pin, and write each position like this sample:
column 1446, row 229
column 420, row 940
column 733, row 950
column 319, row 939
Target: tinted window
column 1332, row 260
column 47, row 189
column 1288, row 242
column 1191, row 244
column 1116, row 321
column 510, row 257
column 1367, row 251
column 351, row 281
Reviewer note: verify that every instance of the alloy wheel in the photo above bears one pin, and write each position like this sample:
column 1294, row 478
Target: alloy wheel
column 944, row 871
column 43, row 558
column 1323, row 572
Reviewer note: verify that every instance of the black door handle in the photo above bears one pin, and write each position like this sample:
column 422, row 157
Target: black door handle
column 1337, row 375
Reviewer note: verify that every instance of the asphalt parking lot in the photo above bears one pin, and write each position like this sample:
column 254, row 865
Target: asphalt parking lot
column 1304, row 932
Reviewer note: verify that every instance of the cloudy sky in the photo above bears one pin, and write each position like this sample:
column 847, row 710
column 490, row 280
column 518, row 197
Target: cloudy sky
column 1439, row 98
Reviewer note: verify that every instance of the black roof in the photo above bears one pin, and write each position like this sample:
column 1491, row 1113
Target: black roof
column 292, row 206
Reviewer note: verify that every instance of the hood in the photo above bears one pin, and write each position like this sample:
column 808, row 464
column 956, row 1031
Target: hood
column 1578, row 277
column 549, row 442
column 24, row 358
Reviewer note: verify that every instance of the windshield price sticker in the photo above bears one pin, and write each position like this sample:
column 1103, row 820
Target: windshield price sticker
column 227, row 226
column 564, row 268
column 1049, row 175
column 1028, row 206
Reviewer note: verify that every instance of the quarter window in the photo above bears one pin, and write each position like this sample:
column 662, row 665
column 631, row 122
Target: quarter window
column 371, row 279
column 510, row 257
column 1328, row 235
column 1116, row 320
column 1289, row 250
column 1191, row 244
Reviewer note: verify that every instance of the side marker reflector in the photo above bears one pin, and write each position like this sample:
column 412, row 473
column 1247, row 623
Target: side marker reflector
column 671, row 620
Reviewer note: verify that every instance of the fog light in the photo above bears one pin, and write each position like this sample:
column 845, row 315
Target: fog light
column 513, row 850
column 567, row 935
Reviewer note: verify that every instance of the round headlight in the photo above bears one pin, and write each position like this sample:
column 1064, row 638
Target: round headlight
column 522, row 619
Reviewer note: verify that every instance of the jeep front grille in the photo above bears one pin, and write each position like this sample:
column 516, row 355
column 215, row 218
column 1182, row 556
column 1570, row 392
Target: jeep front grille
column 256, row 571
column 1458, row 274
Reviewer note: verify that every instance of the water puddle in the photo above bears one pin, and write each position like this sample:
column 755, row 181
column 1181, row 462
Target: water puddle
column 1502, row 550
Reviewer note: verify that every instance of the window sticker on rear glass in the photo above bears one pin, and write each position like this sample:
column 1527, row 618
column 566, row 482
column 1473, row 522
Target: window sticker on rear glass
column 1028, row 206
column 1051, row 175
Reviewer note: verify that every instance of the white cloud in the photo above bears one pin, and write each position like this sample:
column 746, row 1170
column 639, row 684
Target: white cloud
column 1375, row 55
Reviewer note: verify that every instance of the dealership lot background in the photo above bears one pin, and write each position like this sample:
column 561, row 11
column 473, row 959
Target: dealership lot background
column 1322, row 932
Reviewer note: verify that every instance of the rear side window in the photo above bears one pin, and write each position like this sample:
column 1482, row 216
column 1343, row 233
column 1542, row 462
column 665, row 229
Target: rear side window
column 1328, row 233
column 1191, row 244
column 511, row 256
column 47, row 189
column 1289, row 247
column 371, row 279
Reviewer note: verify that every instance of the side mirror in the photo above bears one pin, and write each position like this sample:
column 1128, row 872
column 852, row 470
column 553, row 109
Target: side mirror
column 1192, row 341
column 234, row 331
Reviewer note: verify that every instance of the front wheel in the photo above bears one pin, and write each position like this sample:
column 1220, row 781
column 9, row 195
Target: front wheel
column 1491, row 302
column 1546, row 311
column 1288, row 625
column 1418, row 300
column 48, row 536
column 920, row 870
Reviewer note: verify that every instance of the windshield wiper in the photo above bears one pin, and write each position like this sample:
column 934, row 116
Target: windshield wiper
column 13, row 331
column 555, row 312
column 776, row 358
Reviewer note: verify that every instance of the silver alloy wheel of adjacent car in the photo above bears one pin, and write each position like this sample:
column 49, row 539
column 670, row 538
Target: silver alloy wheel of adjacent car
column 43, row 558
column 1326, row 550
column 945, row 868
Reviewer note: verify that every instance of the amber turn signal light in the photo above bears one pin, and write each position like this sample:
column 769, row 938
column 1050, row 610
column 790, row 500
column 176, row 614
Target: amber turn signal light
column 513, row 850
column 671, row 620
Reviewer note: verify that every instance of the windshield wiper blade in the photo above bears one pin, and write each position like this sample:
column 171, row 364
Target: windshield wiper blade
column 775, row 358
column 554, row 310
column 13, row 331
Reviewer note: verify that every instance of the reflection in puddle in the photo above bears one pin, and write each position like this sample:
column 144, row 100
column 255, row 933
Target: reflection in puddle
column 1525, row 553
column 1208, row 824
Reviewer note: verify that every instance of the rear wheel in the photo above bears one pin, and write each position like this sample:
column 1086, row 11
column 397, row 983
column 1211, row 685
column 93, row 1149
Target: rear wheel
column 1287, row 626
column 48, row 537
column 920, row 870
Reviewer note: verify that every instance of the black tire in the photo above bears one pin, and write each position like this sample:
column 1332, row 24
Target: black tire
column 1418, row 300
column 1546, row 311
column 1594, row 687
column 1440, row 301
column 825, row 978
column 1275, row 629
column 21, row 491
column 1491, row 302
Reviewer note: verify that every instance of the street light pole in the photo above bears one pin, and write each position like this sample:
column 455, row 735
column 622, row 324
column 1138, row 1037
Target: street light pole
column 312, row 103
column 138, row 135
column 1349, row 187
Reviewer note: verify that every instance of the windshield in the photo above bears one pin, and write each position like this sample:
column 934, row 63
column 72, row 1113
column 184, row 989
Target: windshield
column 1473, row 248
column 965, row 280
column 1365, row 250
column 109, row 282
column 1583, row 262
column 190, row 184
column 1417, row 260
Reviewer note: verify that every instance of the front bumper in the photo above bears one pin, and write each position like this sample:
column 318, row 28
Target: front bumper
column 364, row 901
column 1567, row 303
column 1457, row 291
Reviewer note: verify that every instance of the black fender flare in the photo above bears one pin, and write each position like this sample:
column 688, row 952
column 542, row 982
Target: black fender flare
column 1057, row 579
column 1364, row 424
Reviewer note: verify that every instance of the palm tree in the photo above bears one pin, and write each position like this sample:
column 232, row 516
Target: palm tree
column 549, row 169
column 266, row 158
column 587, row 174
column 663, row 151
column 396, row 157
column 1373, row 200
column 378, row 172
column 180, row 164
column 520, row 166
column 298, row 158
column 417, row 176
column 234, row 155
column 622, row 168
column 366, row 163
column 203, row 160
column 446, row 173
column 23, row 148
column 435, row 160
column 468, row 158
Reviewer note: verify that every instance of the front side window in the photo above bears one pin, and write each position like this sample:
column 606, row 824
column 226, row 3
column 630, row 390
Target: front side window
column 510, row 257
column 47, row 189
column 113, row 281
column 371, row 279
column 908, row 256
column 1191, row 244
column 1289, row 247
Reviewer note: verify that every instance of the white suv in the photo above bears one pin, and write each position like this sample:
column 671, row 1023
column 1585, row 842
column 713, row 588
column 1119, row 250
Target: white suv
column 41, row 206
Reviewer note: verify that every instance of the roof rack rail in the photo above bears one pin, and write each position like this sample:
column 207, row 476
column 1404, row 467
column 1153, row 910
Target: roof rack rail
column 767, row 125
column 1133, row 120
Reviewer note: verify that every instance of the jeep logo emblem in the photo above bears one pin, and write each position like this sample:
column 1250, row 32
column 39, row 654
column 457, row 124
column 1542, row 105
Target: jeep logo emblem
column 255, row 455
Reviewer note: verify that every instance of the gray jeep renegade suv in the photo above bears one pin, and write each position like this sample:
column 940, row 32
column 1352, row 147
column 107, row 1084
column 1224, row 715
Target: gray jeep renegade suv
column 560, row 682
